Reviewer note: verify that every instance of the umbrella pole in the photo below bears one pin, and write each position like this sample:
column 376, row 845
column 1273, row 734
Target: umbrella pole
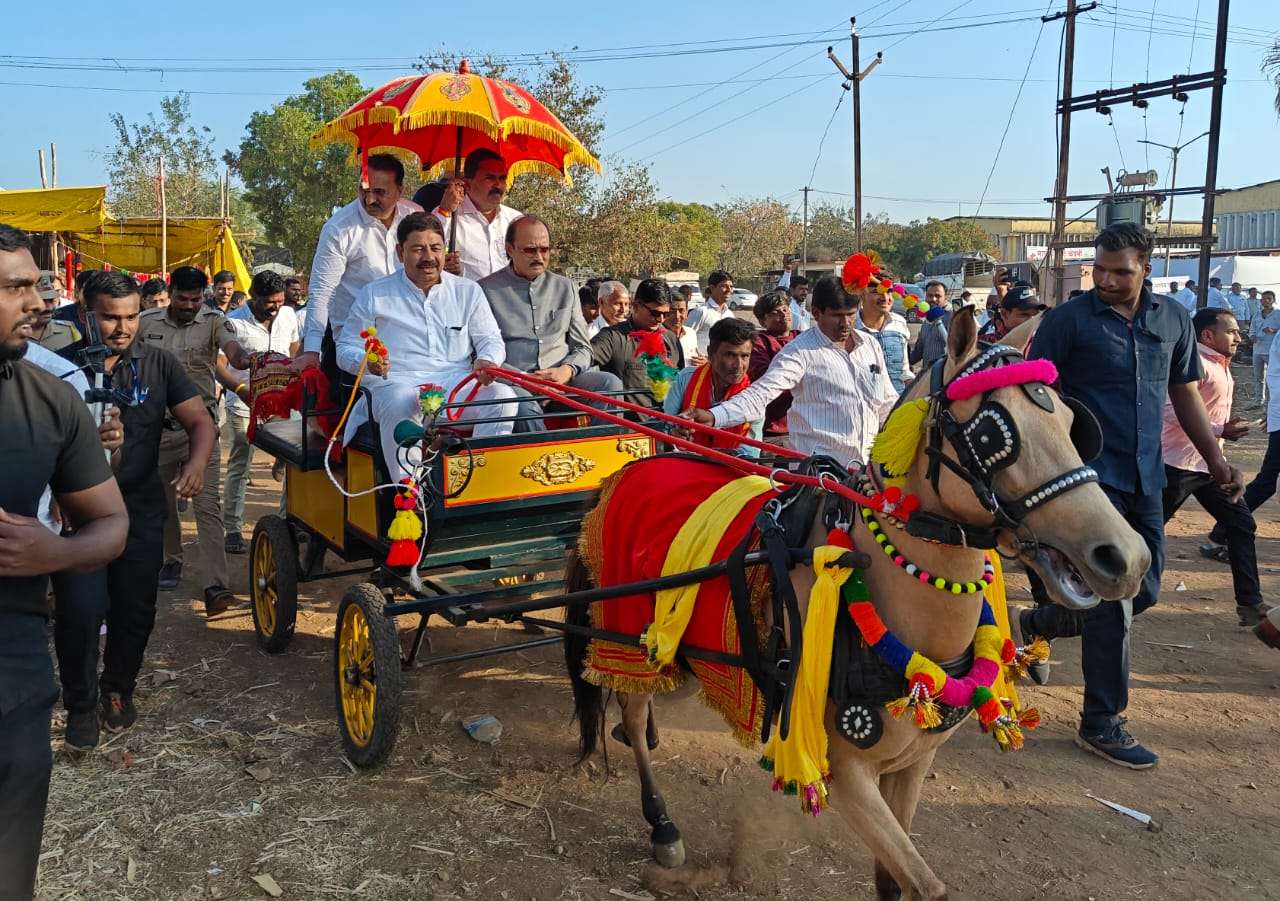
column 457, row 171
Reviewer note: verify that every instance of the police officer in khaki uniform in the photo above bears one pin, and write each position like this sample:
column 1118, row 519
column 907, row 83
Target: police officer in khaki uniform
column 192, row 332
column 52, row 334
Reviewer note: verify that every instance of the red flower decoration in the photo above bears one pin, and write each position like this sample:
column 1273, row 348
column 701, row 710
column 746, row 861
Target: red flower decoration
column 840, row 538
column 652, row 344
column 858, row 271
column 892, row 502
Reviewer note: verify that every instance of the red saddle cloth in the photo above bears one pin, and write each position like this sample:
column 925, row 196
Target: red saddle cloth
column 276, row 390
column 626, row 539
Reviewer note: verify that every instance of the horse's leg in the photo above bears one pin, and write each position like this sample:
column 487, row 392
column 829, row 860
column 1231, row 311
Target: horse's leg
column 865, row 810
column 901, row 791
column 668, row 849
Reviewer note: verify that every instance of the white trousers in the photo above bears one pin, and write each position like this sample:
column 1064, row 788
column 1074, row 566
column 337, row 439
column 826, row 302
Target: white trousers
column 395, row 402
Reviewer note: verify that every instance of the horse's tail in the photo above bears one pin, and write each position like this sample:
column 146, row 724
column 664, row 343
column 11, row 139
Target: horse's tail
column 588, row 699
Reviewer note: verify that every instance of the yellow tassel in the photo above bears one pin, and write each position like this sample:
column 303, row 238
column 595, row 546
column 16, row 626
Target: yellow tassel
column 1007, row 734
column 405, row 527
column 1036, row 652
column 924, row 709
column 895, row 447
column 801, row 760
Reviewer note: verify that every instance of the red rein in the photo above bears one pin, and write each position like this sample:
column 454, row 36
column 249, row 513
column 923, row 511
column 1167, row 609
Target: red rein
column 557, row 392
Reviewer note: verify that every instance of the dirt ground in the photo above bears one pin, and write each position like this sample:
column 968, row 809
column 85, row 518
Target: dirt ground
column 234, row 771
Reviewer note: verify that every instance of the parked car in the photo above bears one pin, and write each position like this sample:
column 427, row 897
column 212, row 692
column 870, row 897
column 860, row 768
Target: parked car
column 742, row 299
column 695, row 299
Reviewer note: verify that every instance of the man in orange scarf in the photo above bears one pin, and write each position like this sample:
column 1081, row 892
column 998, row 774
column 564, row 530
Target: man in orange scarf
column 720, row 378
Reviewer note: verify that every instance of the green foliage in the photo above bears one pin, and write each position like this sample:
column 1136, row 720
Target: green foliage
column 191, row 172
column 758, row 233
column 695, row 232
column 1271, row 66
column 293, row 187
column 922, row 241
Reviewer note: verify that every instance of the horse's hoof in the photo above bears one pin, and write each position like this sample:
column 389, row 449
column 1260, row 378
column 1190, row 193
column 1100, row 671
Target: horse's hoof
column 670, row 856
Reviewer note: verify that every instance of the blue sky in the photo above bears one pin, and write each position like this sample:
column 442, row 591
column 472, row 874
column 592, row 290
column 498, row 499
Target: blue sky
column 934, row 111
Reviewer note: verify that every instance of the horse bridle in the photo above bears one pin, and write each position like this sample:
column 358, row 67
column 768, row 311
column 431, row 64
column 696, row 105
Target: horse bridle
column 987, row 442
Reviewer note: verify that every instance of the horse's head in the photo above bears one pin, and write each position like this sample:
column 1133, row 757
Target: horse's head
column 1005, row 457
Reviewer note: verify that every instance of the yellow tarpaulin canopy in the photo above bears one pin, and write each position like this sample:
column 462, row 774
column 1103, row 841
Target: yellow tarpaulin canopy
column 55, row 209
column 134, row 245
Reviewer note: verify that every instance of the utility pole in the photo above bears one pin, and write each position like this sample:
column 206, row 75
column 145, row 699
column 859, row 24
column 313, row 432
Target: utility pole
column 53, row 165
column 804, row 241
column 1215, row 130
column 1056, row 268
column 853, row 81
column 164, row 225
column 44, row 183
column 1173, row 183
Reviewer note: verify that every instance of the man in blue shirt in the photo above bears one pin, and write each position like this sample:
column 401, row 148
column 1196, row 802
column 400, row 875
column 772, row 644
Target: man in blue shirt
column 1119, row 349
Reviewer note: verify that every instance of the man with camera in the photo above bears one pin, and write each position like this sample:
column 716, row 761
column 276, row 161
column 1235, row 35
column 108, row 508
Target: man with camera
column 47, row 438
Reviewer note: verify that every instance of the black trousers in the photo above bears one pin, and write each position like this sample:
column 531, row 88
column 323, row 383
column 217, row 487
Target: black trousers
column 1234, row 518
column 131, row 609
column 1104, row 630
column 80, row 603
column 1260, row 490
column 26, row 678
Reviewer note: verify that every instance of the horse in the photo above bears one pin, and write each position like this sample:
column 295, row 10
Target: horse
column 1040, row 504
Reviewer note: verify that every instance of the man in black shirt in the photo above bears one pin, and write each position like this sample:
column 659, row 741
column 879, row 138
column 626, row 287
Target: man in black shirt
column 156, row 383
column 613, row 349
column 47, row 437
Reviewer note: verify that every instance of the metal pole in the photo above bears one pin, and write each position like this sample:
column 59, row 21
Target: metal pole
column 1168, row 229
column 1064, row 156
column 857, row 132
column 40, row 155
column 53, row 165
column 804, row 242
column 164, row 225
column 1215, row 130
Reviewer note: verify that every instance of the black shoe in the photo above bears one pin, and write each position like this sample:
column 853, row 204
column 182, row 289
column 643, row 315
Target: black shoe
column 218, row 599
column 1039, row 672
column 1114, row 743
column 1267, row 633
column 82, row 730
column 118, row 712
column 1215, row 552
column 1251, row 616
column 234, row 544
column 170, row 575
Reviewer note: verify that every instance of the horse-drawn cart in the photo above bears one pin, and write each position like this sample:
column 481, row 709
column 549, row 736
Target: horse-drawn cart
column 500, row 514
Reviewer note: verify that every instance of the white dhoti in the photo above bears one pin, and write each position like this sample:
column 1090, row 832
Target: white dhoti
column 396, row 400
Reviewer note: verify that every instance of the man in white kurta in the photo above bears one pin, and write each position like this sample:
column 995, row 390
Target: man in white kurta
column 437, row 328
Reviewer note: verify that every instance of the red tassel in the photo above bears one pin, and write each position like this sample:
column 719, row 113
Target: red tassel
column 989, row 711
column 1008, row 652
column 403, row 553
column 840, row 538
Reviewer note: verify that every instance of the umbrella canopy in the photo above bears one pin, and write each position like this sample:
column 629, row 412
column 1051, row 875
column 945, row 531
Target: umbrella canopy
column 443, row 116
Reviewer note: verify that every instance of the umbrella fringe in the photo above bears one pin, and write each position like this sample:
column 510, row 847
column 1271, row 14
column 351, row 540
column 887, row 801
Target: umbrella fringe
column 575, row 152
column 338, row 130
column 455, row 118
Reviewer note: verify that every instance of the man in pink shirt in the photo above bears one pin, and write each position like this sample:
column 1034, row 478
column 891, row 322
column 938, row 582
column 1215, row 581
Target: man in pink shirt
column 1186, row 475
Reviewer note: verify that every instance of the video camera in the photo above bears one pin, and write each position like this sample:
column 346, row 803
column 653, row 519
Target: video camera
column 92, row 356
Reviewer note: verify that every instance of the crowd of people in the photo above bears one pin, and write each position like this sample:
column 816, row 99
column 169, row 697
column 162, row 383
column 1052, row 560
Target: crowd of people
column 466, row 286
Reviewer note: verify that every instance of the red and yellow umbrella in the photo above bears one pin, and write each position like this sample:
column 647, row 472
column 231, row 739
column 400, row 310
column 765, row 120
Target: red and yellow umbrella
column 441, row 117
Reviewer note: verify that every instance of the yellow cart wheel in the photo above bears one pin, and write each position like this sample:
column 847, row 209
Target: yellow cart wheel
column 273, row 583
column 366, row 676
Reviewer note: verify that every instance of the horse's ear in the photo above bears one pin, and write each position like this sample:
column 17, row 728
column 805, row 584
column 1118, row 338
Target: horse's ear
column 962, row 335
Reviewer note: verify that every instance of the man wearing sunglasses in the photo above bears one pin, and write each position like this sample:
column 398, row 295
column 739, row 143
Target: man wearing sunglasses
column 540, row 316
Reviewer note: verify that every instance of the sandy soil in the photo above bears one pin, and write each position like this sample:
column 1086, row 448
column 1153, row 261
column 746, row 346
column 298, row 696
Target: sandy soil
column 234, row 772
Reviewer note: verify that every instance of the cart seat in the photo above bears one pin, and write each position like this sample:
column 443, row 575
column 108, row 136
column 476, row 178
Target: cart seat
column 293, row 441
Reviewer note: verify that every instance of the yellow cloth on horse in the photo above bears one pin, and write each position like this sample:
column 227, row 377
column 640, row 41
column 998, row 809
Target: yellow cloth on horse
column 1003, row 687
column 694, row 547
column 799, row 762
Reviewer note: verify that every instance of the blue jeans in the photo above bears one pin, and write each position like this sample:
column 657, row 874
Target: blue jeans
column 1104, row 630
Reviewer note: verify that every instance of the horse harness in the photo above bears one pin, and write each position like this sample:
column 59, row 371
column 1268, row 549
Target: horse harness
column 861, row 683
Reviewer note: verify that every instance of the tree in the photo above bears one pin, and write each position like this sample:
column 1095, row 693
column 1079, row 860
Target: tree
column 831, row 233
column 758, row 233
column 695, row 233
column 191, row 172
column 922, row 241
column 293, row 187
column 1271, row 66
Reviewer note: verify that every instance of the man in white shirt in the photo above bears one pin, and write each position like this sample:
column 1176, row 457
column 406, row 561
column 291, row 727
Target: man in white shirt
column 1187, row 296
column 433, row 323
column 675, row 322
column 474, row 216
column 837, row 378
column 357, row 245
column 265, row 323
column 615, row 305
column 1217, row 300
column 801, row 318
column 716, row 307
